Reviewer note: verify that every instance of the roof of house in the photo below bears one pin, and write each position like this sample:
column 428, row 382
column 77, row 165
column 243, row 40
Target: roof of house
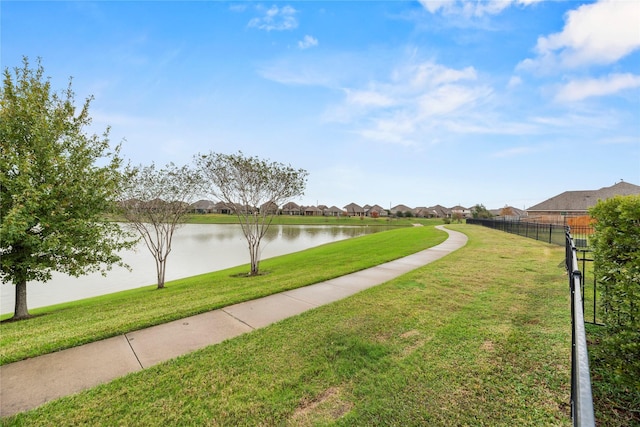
column 269, row 205
column 440, row 210
column 203, row 204
column 222, row 205
column 513, row 211
column 291, row 207
column 353, row 207
column 571, row 201
column 403, row 208
column 311, row 209
column 423, row 210
column 377, row 208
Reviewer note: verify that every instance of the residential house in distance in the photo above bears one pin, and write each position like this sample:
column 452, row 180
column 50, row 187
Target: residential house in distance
column 334, row 211
column 509, row 212
column 203, row 207
column 375, row 211
column 400, row 209
column 354, row 209
column 222, row 208
column 291, row 208
column 423, row 212
column 577, row 203
column 270, row 208
column 440, row 211
column 311, row 211
column 460, row 212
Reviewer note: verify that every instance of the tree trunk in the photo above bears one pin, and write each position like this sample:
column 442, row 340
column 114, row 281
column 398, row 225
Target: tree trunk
column 161, row 267
column 254, row 249
column 21, row 312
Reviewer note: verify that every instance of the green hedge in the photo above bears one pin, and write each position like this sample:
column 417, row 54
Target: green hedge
column 617, row 269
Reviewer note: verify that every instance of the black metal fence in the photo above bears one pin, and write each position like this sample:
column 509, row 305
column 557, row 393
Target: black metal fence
column 556, row 234
column 581, row 396
column 550, row 233
column 588, row 286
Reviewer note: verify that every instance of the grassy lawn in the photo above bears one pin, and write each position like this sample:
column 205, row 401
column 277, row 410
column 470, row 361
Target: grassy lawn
column 614, row 404
column 66, row 325
column 480, row 337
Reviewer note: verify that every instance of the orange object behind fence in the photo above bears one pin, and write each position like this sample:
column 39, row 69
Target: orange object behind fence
column 583, row 223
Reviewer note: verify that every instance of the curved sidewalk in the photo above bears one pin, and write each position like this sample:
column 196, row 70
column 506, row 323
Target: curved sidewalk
column 30, row 383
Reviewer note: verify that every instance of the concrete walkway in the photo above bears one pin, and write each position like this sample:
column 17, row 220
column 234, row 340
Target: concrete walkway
column 29, row 383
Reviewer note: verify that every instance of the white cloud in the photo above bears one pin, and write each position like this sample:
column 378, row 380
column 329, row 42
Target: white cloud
column 598, row 33
column 471, row 8
column 578, row 90
column 398, row 129
column 285, row 72
column 416, row 98
column 368, row 98
column 326, row 69
column 434, row 6
column 307, row 42
column 276, row 18
column 431, row 74
column 514, row 82
column 446, row 99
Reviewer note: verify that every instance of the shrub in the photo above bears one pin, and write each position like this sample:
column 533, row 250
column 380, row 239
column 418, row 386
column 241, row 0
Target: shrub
column 616, row 245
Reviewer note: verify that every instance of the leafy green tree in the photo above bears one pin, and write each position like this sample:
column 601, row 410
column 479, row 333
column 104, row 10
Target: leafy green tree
column 479, row 211
column 247, row 185
column 56, row 185
column 155, row 202
column 616, row 245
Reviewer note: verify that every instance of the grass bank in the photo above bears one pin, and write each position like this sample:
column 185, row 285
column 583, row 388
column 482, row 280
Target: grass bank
column 66, row 325
column 480, row 337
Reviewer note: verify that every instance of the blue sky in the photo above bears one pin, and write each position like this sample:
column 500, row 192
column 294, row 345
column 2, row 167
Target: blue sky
column 385, row 102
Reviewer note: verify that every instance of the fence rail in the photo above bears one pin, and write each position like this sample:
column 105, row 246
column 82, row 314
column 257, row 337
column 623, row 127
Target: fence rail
column 581, row 396
column 550, row 233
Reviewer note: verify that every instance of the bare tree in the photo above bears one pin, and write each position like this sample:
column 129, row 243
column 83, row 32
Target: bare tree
column 155, row 202
column 251, row 188
column 506, row 211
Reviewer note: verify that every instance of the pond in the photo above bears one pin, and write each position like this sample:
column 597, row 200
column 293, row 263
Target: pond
column 196, row 249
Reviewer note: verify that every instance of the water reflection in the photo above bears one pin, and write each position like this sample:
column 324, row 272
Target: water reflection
column 196, row 249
